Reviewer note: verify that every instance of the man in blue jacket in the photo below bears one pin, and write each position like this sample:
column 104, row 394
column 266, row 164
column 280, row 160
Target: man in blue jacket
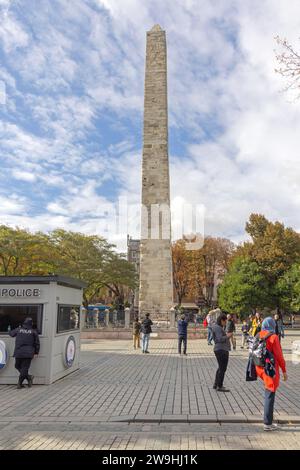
column 182, row 334
column 27, row 346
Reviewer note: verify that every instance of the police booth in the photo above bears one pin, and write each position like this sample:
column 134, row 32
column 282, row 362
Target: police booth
column 54, row 304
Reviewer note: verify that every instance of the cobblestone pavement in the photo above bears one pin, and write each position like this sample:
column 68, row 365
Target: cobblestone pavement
column 123, row 399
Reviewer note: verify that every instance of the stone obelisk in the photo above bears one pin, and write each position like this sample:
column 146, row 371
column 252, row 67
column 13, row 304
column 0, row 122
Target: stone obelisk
column 156, row 286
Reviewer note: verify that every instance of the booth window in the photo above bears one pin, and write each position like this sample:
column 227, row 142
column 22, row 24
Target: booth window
column 68, row 318
column 12, row 316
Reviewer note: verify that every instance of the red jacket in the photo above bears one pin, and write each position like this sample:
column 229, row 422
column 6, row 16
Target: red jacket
column 273, row 345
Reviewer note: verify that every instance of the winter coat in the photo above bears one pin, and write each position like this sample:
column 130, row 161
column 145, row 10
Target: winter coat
column 146, row 326
column 27, row 341
column 182, row 327
column 273, row 345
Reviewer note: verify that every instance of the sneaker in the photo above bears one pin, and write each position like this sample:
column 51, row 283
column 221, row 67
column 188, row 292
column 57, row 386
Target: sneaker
column 222, row 389
column 147, row 352
column 143, row 352
column 270, row 427
column 185, row 354
column 19, row 386
column 214, row 387
column 30, row 380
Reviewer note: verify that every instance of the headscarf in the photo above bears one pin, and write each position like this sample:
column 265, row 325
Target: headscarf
column 269, row 325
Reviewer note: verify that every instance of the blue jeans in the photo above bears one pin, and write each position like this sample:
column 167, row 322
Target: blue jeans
column 269, row 406
column 209, row 334
column 146, row 337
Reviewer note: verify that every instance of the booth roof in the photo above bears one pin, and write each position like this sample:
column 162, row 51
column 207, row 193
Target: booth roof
column 60, row 280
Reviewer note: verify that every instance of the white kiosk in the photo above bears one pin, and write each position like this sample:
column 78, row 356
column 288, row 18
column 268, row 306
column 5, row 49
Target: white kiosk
column 54, row 304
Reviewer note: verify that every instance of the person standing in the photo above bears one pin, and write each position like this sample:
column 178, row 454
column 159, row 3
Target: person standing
column 245, row 334
column 146, row 330
column 256, row 324
column 182, row 334
column 136, row 333
column 279, row 327
column 230, row 328
column 271, row 383
column 249, row 323
column 27, row 346
column 210, row 322
column 221, row 350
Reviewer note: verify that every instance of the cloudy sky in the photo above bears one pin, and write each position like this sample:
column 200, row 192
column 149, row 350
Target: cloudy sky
column 71, row 110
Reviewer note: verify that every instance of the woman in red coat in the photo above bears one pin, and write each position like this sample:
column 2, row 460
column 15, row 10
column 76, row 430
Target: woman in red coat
column 271, row 383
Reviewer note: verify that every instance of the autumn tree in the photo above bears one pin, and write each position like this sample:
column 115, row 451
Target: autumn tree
column 195, row 272
column 208, row 265
column 181, row 259
column 274, row 247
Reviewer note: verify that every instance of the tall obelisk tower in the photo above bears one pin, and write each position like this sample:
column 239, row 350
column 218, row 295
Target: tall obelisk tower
column 156, row 286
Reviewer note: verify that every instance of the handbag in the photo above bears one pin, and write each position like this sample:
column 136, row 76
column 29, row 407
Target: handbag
column 251, row 374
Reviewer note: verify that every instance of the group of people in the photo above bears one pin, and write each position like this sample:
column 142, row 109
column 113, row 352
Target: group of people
column 145, row 328
column 269, row 332
column 221, row 332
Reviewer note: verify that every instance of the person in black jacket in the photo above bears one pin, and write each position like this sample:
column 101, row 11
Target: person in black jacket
column 182, row 334
column 27, row 346
column 230, row 328
column 146, row 330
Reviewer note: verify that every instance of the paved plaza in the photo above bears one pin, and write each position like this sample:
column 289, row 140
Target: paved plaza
column 123, row 399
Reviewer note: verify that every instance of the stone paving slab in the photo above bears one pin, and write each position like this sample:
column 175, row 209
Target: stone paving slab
column 166, row 437
column 121, row 398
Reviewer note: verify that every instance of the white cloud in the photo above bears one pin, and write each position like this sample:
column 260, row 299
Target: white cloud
column 239, row 134
column 23, row 176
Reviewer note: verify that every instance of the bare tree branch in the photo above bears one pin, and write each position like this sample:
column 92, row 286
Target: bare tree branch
column 289, row 65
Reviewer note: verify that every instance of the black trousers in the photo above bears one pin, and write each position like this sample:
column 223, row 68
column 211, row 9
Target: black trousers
column 23, row 365
column 222, row 358
column 182, row 339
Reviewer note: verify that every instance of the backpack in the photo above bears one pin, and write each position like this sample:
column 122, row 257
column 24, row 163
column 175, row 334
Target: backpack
column 205, row 323
column 258, row 350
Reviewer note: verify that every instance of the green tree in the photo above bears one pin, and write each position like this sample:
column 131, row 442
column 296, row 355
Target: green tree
column 24, row 253
column 120, row 277
column 244, row 288
column 92, row 259
column 288, row 289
